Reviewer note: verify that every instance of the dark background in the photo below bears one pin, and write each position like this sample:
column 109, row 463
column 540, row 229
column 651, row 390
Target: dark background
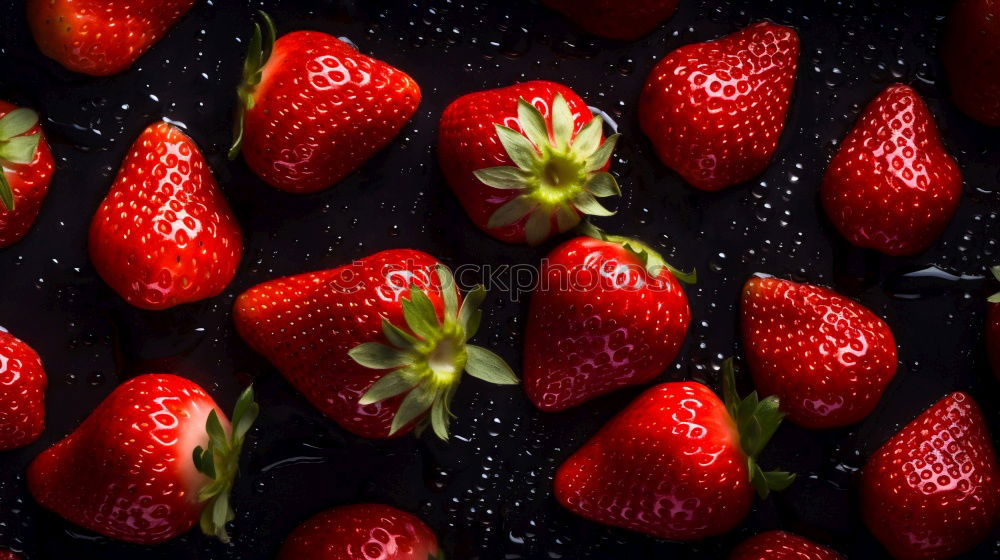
column 487, row 493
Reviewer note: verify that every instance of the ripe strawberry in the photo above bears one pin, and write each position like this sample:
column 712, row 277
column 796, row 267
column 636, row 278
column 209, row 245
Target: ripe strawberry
column 164, row 235
column 25, row 171
column 993, row 327
column 826, row 357
column 334, row 334
column 892, row 186
column 362, row 532
column 101, row 37
column 626, row 20
column 779, row 545
column 972, row 58
column 154, row 458
column 9, row 555
column 675, row 464
column 714, row 111
column 933, row 490
column 526, row 161
column 22, row 393
column 311, row 109
column 608, row 312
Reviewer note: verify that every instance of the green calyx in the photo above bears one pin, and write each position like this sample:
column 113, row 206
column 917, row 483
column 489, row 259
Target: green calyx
column 220, row 462
column 258, row 53
column 756, row 421
column 558, row 175
column 995, row 298
column 427, row 361
column 15, row 148
column 651, row 260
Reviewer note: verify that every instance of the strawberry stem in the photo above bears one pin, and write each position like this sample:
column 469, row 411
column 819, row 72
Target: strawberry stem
column 258, row 53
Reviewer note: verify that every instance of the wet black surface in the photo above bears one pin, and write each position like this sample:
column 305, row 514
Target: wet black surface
column 487, row 494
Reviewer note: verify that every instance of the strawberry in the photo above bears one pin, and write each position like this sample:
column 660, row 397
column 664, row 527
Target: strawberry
column 153, row 459
column 993, row 327
column 779, row 545
column 625, row 20
column 607, row 313
column 933, row 490
column 526, row 161
column 25, row 171
column 892, row 186
column 362, row 532
column 164, row 235
column 311, row 109
column 714, row 111
column 675, row 464
column 336, row 334
column 9, row 555
column 971, row 54
column 825, row 356
column 22, row 393
column 101, row 37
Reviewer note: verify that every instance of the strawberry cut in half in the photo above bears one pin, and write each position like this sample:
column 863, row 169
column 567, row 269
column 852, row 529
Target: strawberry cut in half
column 933, row 490
column 379, row 345
column 156, row 457
column 715, row 111
column 625, row 20
column 608, row 312
column 779, row 545
column 26, row 167
column 677, row 463
column 22, row 393
column 993, row 327
column 827, row 357
column 526, row 161
column 311, row 109
column 164, row 234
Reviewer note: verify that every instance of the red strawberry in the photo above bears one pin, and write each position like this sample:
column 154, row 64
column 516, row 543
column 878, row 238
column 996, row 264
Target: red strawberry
column 362, row 532
column 715, row 110
column 607, row 313
column 22, row 393
column 151, row 460
column 826, row 357
column 101, row 37
column 933, row 490
column 972, row 58
column 626, row 20
column 311, row 109
column 779, row 545
column 526, row 161
column 335, row 334
column 892, row 186
column 25, row 171
column 9, row 555
column 164, row 234
column 993, row 327
column 672, row 464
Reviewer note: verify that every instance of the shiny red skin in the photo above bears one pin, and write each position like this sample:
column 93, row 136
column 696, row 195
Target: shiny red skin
column 779, row 545
column 22, row 393
column 9, row 555
column 892, row 186
column 29, row 183
column 467, row 141
column 599, row 322
column 321, row 110
column 826, row 357
column 306, row 324
column 715, row 111
column 624, row 20
column 669, row 465
column 933, row 490
column 361, row 532
column 971, row 53
column 165, row 235
column 101, row 37
column 993, row 337
column 126, row 472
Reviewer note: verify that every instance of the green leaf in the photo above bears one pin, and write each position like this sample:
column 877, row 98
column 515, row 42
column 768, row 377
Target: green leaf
column 375, row 355
column 995, row 298
column 757, row 479
column 420, row 314
column 469, row 315
column 532, row 123
column 778, row 480
column 390, row 385
column 504, row 177
column 746, row 409
column 511, row 212
column 602, row 154
column 587, row 204
column 590, row 230
column 589, row 137
column 484, row 364
column 204, row 461
column 562, row 122
column 245, row 413
column 750, row 436
column 996, row 272
column 689, row 278
column 566, row 218
column 538, row 227
column 520, row 150
column 415, row 404
column 729, row 394
column 216, row 433
column 6, row 193
column 397, row 336
column 448, row 290
column 439, row 419
column 769, row 417
column 20, row 149
column 603, row 184
column 17, row 122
